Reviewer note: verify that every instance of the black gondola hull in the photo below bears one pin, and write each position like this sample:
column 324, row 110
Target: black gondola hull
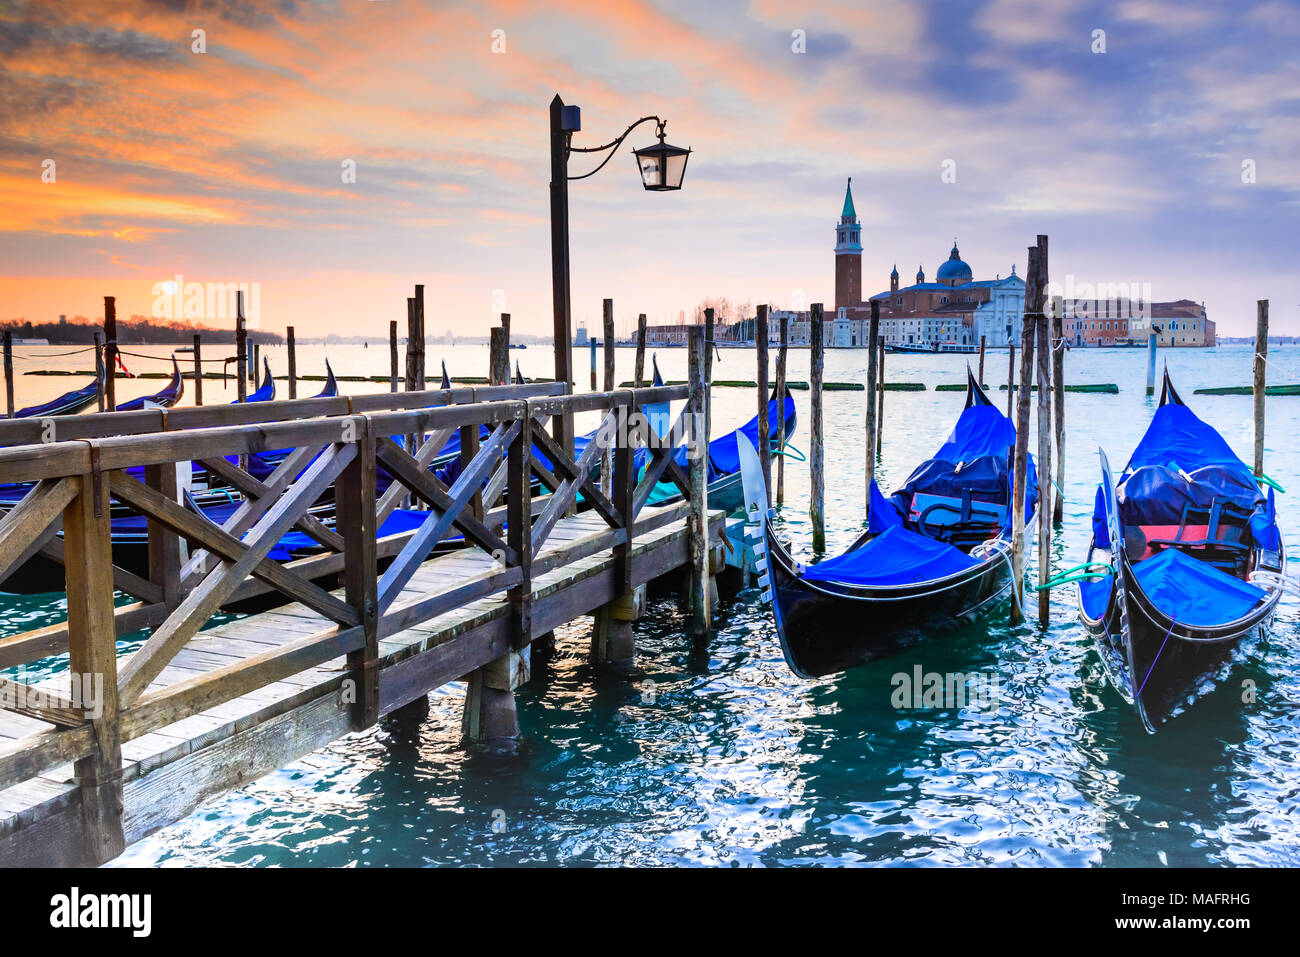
column 826, row 628
column 1158, row 666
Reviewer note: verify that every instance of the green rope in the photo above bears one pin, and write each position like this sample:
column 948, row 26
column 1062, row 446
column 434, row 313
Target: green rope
column 782, row 451
column 1268, row 481
column 1082, row 572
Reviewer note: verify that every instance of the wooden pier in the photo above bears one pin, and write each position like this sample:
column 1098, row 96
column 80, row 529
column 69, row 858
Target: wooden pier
column 360, row 628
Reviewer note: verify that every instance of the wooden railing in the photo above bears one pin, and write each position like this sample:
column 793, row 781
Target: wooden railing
column 511, row 489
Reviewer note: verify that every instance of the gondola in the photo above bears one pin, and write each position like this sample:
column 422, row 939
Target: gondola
column 165, row 399
column 1186, row 561
column 934, row 554
column 726, row 491
column 67, row 404
column 266, row 391
column 331, row 384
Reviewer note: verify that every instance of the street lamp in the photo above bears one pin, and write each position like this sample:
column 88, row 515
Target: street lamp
column 662, row 168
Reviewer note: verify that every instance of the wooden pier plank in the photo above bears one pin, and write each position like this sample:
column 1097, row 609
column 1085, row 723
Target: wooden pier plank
column 170, row 771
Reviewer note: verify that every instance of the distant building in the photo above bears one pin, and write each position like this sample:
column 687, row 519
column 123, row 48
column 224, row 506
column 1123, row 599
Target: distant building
column 1108, row 322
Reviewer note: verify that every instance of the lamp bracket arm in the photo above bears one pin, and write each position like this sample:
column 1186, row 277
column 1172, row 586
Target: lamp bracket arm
column 614, row 144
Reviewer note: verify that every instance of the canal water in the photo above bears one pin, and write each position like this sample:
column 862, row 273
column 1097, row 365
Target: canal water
column 721, row 756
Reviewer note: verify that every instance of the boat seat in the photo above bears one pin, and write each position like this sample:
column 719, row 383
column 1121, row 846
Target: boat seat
column 1218, row 536
column 963, row 522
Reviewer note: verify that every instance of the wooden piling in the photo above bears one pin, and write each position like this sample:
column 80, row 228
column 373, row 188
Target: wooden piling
column 873, row 385
column 1058, row 409
column 9, row 372
column 1151, row 362
column 1020, row 463
column 110, row 349
column 709, row 346
column 592, row 342
column 764, row 427
column 816, row 460
column 498, row 357
column 100, row 385
column 255, row 371
column 1261, row 362
column 241, row 350
column 392, row 356
column 780, row 408
column 419, row 338
column 880, row 396
column 980, row 379
column 640, row 351
column 198, row 369
column 1011, row 377
column 1046, row 490
column 293, row 361
column 608, row 332
column 700, row 613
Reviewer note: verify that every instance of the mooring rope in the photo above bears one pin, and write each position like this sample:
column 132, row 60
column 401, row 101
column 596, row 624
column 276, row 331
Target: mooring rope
column 1082, row 572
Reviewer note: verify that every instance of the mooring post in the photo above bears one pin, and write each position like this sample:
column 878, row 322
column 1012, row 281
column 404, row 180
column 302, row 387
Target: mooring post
column 293, row 361
column 780, row 408
column 873, row 374
column 612, row 638
column 607, row 332
column 1058, row 409
column 981, row 374
column 392, row 356
column 498, row 357
column 100, row 386
column 591, row 343
column 764, row 427
column 816, row 477
column 255, row 372
column 419, row 338
column 1151, row 361
column 880, row 397
column 1261, row 362
column 1011, row 377
column 709, row 346
column 1046, row 491
column 697, row 523
column 502, row 374
column 1020, row 464
column 198, row 369
column 241, row 351
column 9, row 372
column 92, row 654
column 639, row 380
column 110, row 350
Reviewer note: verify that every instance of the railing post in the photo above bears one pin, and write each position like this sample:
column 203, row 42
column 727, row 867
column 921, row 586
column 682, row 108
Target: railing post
column 613, row 637
column 165, row 557
column 519, row 525
column 697, row 523
column 355, row 518
column 92, row 655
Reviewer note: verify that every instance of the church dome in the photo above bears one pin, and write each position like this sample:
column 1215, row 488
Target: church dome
column 954, row 270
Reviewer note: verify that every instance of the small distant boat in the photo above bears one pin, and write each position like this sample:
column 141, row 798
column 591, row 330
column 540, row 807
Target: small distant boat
column 66, row 404
column 165, row 399
column 1185, row 562
column 935, row 553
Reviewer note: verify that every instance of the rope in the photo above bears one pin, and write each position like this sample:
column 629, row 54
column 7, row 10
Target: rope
column 782, row 451
column 52, row 355
column 1270, row 482
column 1077, row 573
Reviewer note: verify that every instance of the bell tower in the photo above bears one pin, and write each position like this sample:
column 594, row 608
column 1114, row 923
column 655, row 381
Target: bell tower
column 848, row 254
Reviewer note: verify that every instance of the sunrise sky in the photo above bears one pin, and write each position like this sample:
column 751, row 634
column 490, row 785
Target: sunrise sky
column 225, row 166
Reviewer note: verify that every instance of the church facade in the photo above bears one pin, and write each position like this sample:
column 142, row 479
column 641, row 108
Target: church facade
column 949, row 313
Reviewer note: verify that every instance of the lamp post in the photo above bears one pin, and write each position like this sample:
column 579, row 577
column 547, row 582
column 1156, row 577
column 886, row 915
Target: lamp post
column 661, row 166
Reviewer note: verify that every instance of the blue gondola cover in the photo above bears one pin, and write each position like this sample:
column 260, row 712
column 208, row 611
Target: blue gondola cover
column 1193, row 593
column 896, row 557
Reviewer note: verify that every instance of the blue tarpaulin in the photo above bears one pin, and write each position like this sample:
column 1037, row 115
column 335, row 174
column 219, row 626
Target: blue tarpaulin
column 1194, row 593
column 1176, row 436
column 884, row 514
column 895, row 557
